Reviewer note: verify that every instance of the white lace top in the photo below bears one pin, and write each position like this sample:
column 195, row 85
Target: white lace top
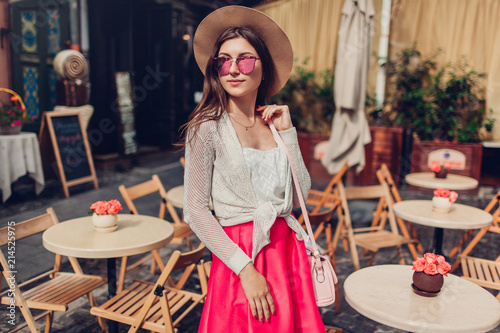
column 267, row 171
column 216, row 167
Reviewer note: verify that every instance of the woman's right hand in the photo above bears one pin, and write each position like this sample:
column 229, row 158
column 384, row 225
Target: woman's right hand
column 257, row 292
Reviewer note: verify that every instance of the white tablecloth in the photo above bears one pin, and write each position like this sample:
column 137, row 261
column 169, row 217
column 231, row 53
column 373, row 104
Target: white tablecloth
column 20, row 155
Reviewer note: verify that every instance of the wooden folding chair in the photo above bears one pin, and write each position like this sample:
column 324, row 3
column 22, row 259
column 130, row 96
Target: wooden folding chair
column 153, row 306
column 483, row 272
column 326, row 198
column 182, row 231
column 493, row 208
column 384, row 176
column 375, row 237
column 50, row 291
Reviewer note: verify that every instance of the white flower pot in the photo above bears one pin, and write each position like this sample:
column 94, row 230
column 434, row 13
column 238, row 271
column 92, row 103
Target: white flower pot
column 441, row 205
column 105, row 223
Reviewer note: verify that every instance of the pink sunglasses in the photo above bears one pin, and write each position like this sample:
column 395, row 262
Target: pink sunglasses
column 246, row 64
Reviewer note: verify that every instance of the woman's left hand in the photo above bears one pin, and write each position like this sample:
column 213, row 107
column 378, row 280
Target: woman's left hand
column 279, row 114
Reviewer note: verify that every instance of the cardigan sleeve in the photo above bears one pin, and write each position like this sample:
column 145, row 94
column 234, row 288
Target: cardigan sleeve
column 292, row 144
column 200, row 156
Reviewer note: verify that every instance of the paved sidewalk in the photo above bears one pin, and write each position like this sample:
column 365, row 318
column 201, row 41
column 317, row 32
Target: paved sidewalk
column 32, row 258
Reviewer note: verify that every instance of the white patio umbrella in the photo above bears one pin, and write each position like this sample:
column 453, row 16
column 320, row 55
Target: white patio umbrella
column 350, row 132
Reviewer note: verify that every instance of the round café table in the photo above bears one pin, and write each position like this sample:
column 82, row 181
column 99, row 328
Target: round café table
column 19, row 156
column 135, row 234
column 383, row 293
column 451, row 182
column 460, row 217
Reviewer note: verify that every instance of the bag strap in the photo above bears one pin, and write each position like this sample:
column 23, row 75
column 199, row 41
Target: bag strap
column 316, row 253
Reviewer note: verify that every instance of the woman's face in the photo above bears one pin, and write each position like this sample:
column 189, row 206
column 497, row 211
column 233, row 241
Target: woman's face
column 235, row 83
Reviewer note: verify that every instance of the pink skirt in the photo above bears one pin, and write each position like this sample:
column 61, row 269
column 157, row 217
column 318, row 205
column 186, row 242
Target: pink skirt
column 284, row 264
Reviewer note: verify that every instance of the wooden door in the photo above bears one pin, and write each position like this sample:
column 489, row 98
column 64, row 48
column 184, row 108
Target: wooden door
column 39, row 30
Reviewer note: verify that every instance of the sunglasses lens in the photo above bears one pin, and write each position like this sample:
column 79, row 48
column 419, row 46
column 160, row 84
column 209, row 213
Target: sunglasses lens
column 246, row 65
column 222, row 65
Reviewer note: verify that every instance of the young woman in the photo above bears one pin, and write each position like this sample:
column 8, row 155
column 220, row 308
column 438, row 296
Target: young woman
column 260, row 279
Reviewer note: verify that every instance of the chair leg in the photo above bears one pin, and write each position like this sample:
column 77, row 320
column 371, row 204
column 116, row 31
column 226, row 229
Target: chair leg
column 48, row 321
column 153, row 266
column 189, row 244
column 469, row 247
column 331, row 253
column 457, row 247
column 400, row 254
column 319, row 230
column 354, row 255
column 414, row 235
column 157, row 259
column 167, row 317
column 372, row 258
column 28, row 316
column 100, row 320
column 121, row 276
column 406, row 234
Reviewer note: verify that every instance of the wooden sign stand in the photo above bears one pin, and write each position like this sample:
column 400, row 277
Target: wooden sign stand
column 67, row 141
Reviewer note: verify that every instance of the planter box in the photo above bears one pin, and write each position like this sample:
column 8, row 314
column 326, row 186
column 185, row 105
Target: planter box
column 473, row 153
column 385, row 148
column 307, row 142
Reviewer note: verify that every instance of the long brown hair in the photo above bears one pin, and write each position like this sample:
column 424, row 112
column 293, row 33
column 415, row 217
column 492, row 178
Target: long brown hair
column 215, row 98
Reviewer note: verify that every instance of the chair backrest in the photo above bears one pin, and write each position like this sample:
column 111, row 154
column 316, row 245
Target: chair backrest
column 493, row 208
column 384, row 176
column 337, row 178
column 328, row 198
column 29, row 227
column 146, row 188
column 382, row 213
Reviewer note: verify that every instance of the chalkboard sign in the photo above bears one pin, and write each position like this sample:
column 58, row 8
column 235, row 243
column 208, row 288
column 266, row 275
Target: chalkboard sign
column 71, row 149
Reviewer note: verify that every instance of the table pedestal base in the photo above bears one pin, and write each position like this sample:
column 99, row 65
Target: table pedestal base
column 438, row 241
column 112, row 325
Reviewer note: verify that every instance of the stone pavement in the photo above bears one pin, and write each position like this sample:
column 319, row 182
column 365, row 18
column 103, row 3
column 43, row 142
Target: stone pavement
column 32, row 258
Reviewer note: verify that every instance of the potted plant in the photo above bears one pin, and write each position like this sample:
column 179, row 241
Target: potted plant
column 12, row 114
column 428, row 275
column 440, row 108
column 410, row 104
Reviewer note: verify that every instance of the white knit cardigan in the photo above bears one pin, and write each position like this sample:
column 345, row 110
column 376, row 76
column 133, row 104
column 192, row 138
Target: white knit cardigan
column 215, row 167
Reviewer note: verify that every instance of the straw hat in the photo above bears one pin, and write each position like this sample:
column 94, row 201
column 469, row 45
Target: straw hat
column 238, row 16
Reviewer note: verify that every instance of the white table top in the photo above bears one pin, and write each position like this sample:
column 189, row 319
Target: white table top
column 20, row 155
column 384, row 294
column 459, row 217
column 135, row 234
column 451, row 182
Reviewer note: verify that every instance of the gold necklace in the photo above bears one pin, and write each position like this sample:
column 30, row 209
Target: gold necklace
column 246, row 127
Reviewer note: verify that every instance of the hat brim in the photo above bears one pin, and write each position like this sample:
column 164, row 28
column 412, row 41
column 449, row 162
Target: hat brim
column 274, row 37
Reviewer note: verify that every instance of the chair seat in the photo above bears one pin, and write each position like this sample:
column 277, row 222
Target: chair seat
column 55, row 294
column 374, row 241
column 483, row 272
column 126, row 305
